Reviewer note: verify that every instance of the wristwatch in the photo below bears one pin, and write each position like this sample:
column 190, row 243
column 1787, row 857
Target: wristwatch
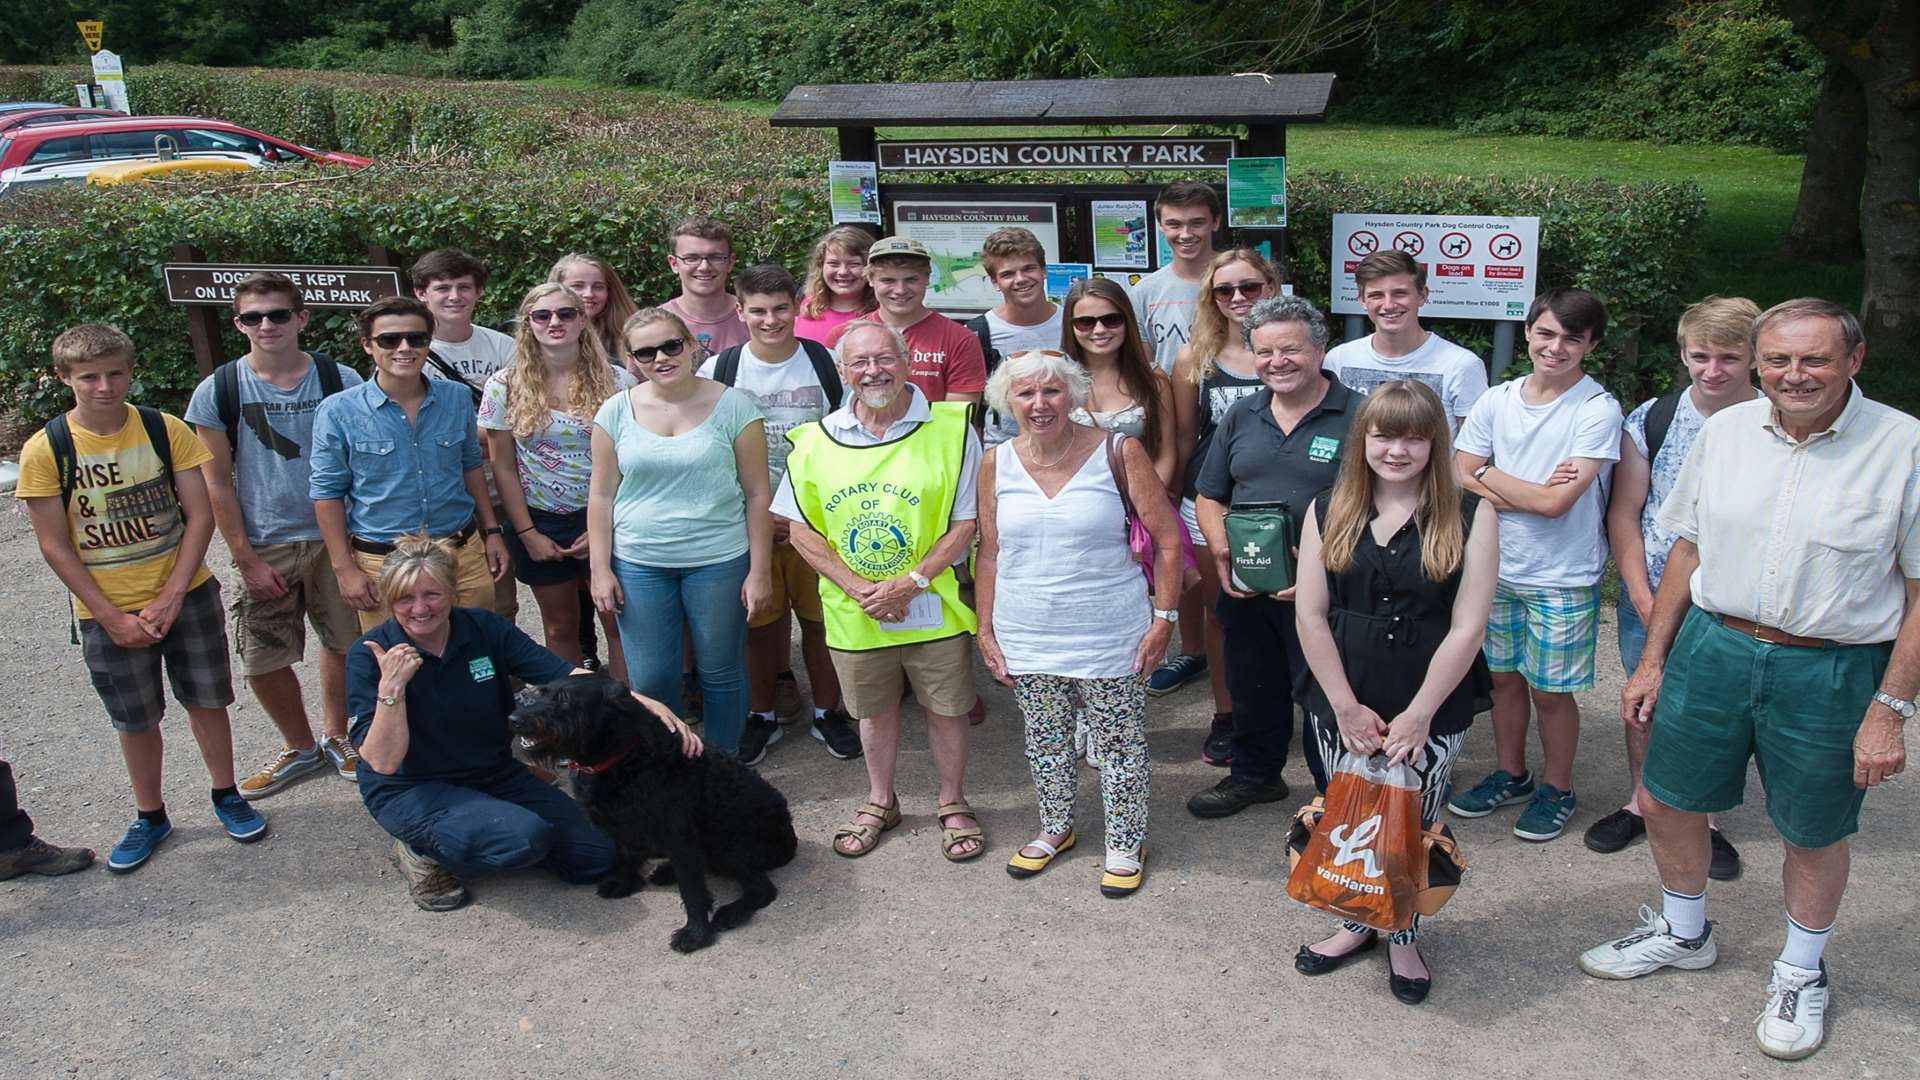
column 389, row 700
column 1170, row 616
column 493, row 530
column 1482, row 470
column 1905, row 710
column 920, row 581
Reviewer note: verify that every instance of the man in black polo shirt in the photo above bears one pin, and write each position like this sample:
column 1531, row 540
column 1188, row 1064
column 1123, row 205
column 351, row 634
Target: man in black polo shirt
column 1282, row 444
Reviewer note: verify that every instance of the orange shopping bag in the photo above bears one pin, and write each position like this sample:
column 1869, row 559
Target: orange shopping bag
column 1364, row 858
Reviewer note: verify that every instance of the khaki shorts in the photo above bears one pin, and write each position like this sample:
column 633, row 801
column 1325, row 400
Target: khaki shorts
column 796, row 588
column 473, row 589
column 269, row 635
column 942, row 674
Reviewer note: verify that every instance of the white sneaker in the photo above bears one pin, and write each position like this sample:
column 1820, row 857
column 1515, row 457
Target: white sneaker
column 1795, row 1021
column 1649, row 948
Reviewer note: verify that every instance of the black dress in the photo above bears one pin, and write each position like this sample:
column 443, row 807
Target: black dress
column 1388, row 620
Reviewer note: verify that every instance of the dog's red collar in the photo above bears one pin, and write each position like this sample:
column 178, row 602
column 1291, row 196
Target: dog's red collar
column 603, row 766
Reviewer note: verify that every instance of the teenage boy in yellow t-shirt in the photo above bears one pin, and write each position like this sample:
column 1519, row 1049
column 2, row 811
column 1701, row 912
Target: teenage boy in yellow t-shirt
column 126, row 527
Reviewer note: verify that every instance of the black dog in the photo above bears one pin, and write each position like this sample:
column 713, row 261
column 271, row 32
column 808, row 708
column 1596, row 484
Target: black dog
column 702, row 814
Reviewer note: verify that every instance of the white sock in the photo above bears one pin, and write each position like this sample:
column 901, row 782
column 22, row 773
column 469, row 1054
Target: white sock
column 1686, row 915
column 1804, row 947
column 767, row 716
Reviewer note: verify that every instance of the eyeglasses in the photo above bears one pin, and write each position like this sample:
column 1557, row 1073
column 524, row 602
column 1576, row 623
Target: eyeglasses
column 1249, row 289
column 1112, row 320
column 669, row 347
column 541, row 316
column 419, row 339
column 705, row 260
column 872, row 360
column 278, row 316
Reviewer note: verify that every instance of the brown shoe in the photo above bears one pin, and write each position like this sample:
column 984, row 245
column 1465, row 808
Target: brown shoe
column 40, row 857
column 788, row 706
column 432, row 888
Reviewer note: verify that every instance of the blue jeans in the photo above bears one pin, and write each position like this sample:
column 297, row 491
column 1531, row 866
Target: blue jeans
column 1633, row 636
column 658, row 602
column 502, row 822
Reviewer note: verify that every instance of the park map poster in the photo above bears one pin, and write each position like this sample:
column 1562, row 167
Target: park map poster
column 953, row 232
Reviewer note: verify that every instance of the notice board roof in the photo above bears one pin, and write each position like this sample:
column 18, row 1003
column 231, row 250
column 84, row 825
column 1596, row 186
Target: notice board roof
column 1206, row 99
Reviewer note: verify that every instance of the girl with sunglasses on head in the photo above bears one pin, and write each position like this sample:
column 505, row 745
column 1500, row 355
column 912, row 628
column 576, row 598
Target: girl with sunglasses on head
column 536, row 414
column 836, row 291
column 677, row 514
column 603, row 298
column 1213, row 371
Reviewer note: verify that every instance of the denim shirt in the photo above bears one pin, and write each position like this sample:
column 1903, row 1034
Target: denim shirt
column 397, row 477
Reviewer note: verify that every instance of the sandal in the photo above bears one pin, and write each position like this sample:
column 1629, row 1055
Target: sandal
column 950, row 837
column 865, row 835
column 1122, row 874
column 1025, row 866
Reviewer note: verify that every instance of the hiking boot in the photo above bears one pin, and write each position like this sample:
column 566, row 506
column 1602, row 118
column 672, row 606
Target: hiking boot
column 283, row 768
column 1795, row 1021
column 342, row 755
column 428, row 883
column 1726, row 858
column 241, row 820
column 788, row 706
column 759, row 734
column 1218, row 748
column 1615, row 831
column 842, row 736
column 137, row 846
column 1545, row 817
column 1652, row 946
column 1175, row 673
column 40, row 857
column 1230, row 796
column 1499, row 788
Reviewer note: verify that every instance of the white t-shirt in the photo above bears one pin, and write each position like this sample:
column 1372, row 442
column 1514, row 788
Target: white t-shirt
column 1164, row 302
column 1455, row 374
column 788, row 392
column 1529, row 442
column 482, row 354
column 1010, row 338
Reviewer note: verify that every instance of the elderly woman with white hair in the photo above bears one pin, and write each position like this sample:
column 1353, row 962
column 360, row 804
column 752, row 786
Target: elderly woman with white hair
column 1063, row 605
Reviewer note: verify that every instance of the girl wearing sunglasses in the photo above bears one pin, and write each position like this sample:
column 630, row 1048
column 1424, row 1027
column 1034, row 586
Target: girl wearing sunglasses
column 677, row 514
column 1213, row 371
column 537, row 415
column 1127, row 393
column 603, row 299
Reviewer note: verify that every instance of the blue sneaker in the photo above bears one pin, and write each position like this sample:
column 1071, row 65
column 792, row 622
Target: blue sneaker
column 135, row 848
column 1546, row 816
column 1175, row 673
column 241, row 820
column 1500, row 788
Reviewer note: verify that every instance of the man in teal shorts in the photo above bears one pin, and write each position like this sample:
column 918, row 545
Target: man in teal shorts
column 1783, row 631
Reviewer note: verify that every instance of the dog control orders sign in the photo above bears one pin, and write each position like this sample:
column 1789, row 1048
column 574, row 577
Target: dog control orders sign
column 1477, row 267
column 953, row 232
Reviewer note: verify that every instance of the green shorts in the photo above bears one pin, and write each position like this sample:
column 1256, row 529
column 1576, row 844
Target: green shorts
column 1548, row 635
column 1726, row 697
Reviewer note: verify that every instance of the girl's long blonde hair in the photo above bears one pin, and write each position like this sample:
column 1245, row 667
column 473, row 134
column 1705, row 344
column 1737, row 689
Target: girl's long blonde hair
column 1404, row 407
column 1210, row 329
column 606, row 325
column 851, row 240
column 528, row 412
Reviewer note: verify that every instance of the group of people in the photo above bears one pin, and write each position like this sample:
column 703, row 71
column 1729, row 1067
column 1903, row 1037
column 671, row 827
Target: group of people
column 1061, row 488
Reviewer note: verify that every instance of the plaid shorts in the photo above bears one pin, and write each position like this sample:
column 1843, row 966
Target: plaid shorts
column 1548, row 635
column 194, row 653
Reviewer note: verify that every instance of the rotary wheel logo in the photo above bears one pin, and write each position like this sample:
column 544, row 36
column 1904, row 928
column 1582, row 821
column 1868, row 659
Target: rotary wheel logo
column 878, row 545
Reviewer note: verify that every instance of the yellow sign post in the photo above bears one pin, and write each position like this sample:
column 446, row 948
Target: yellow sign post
column 90, row 33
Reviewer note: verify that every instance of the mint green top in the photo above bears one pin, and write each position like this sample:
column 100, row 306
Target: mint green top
column 679, row 503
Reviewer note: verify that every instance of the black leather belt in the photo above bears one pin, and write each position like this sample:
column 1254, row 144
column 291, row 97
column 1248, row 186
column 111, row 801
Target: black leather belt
column 374, row 547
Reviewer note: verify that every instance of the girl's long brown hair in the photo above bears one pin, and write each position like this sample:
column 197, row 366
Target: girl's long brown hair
column 1209, row 334
column 526, row 377
column 620, row 305
column 1138, row 376
column 1400, row 408
column 851, row 240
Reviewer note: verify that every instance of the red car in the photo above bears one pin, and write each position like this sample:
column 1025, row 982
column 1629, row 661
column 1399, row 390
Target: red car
column 44, row 113
column 134, row 136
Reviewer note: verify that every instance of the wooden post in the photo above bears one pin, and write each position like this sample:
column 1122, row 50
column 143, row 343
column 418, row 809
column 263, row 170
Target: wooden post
column 203, row 323
column 861, row 144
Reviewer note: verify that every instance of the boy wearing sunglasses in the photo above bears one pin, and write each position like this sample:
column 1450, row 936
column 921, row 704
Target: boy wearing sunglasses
column 1393, row 287
column 256, row 417
column 400, row 455
column 1187, row 214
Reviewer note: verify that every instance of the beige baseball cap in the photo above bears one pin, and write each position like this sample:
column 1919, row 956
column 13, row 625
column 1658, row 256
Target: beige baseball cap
column 899, row 246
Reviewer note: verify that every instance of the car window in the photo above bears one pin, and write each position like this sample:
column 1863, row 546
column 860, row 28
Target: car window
column 209, row 139
column 71, row 147
column 119, row 144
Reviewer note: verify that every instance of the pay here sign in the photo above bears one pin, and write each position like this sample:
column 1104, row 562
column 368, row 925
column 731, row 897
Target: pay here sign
column 1477, row 267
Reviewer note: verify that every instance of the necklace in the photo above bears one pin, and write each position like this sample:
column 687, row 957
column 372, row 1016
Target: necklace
column 1038, row 464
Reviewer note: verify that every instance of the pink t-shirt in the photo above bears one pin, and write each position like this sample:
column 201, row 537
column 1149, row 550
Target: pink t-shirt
column 716, row 336
column 944, row 358
column 825, row 328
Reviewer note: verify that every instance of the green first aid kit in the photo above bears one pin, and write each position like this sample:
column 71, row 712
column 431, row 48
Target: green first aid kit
column 1260, row 535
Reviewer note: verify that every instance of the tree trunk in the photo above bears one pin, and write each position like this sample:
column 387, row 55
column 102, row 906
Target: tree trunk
column 1889, row 72
column 1826, row 220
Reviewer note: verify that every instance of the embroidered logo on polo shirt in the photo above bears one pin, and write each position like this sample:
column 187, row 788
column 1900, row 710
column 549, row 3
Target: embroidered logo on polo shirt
column 481, row 668
column 1322, row 448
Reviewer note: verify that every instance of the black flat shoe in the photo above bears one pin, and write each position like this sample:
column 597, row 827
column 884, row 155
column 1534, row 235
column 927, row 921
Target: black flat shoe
column 1308, row 962
column 1726, row 858
column 1408, row 991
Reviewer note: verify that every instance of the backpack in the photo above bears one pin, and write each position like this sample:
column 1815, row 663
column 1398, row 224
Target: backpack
column 978, row 324
column 60, row 441
column 226, row 393
column 726, row 369
column 1659, row 419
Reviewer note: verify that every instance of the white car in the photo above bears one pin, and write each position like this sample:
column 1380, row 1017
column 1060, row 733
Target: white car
column 74, row 172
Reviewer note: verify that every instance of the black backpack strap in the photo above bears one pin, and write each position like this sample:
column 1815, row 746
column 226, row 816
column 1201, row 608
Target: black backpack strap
column 1660, row 419
column 331, row 382
column 988, row 354
column 826, row 371
column 726, row 366
column 226, row 401
column 155, row 422
column 440, row 364
column 60, row 441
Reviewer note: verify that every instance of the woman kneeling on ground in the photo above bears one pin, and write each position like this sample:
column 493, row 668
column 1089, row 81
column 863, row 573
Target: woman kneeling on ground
column 429, row 691
column 1063, row 606
column 1393, row 598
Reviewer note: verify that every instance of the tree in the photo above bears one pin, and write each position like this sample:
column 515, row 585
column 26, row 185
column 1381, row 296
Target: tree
column 1826, row 218
column 1878, row 41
